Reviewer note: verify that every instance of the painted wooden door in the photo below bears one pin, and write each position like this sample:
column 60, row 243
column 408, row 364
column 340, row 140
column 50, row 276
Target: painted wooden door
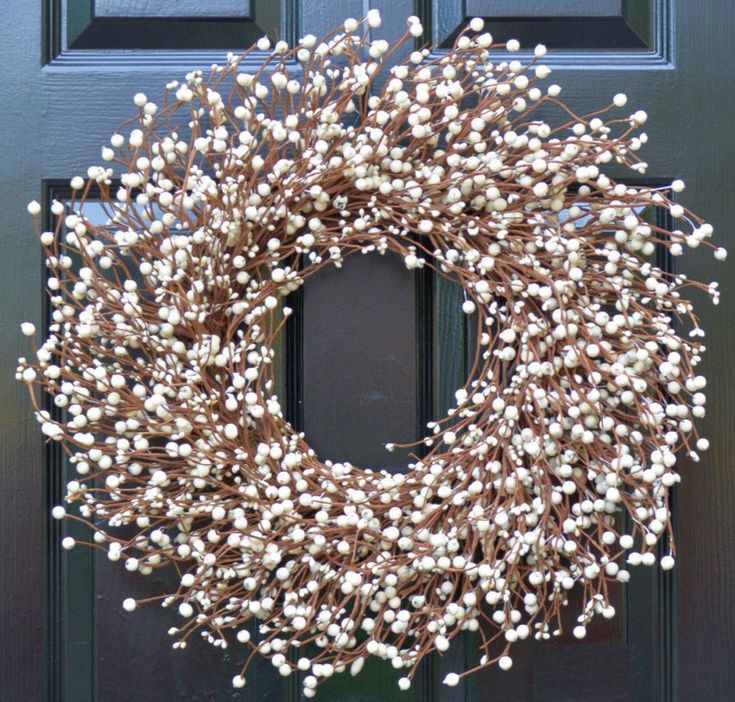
column 373, row 351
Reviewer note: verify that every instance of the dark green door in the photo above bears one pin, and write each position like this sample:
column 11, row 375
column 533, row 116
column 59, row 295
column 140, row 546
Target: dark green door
column 373, row 351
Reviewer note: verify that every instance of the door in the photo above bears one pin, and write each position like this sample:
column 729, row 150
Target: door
column 372, row 351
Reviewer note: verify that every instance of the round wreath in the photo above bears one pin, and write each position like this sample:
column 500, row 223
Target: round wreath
column 160, row 356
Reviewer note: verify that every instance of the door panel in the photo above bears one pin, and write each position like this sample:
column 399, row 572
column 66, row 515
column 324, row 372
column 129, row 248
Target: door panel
column 371, row 353
column 164, row 24
column 559, row 24
column 629, row 28
column 353, row 402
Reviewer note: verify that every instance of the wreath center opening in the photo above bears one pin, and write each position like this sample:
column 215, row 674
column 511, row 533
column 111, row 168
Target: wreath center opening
column 357, row 365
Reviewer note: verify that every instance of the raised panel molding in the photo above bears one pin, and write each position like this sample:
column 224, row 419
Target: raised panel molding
column 160, row 31
column 608, row 32
column 551, row 8
column 219, row 9
column 139, row 24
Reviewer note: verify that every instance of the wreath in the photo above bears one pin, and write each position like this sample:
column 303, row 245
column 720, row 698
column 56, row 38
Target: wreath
column 160, row 356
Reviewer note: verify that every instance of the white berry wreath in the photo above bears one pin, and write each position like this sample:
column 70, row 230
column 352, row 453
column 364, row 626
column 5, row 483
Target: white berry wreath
column 160, row 356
